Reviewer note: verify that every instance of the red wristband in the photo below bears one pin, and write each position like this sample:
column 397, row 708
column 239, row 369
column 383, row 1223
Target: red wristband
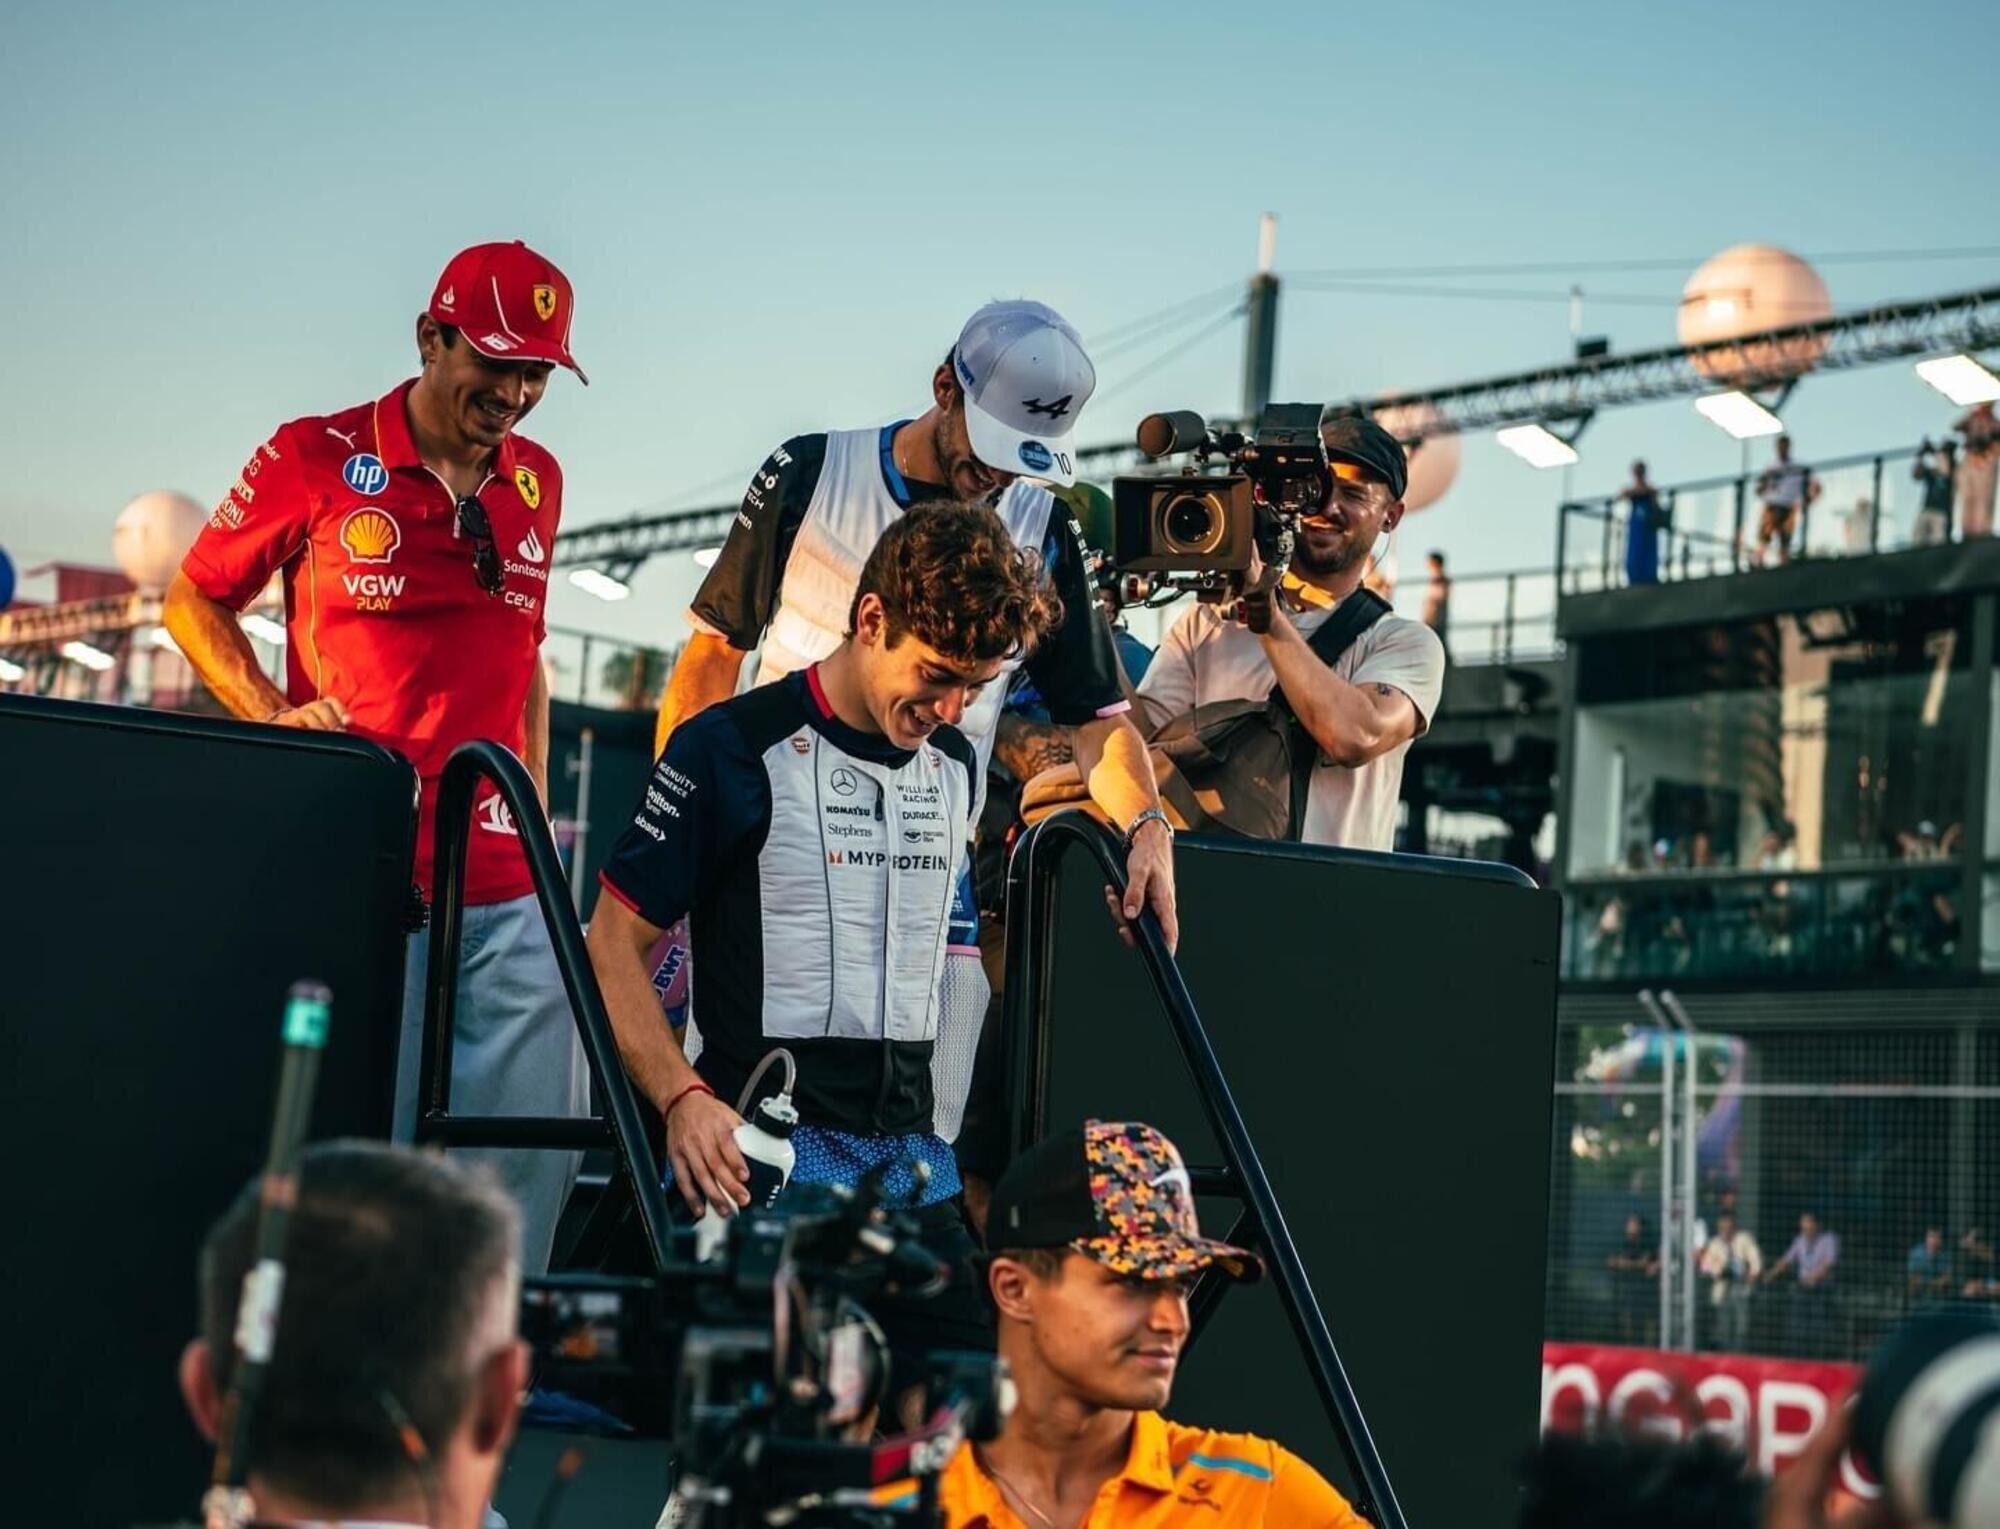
column 696, row 1087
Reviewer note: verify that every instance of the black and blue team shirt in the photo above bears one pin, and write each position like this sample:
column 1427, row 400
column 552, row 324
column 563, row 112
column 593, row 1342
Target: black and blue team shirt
column 817, row 866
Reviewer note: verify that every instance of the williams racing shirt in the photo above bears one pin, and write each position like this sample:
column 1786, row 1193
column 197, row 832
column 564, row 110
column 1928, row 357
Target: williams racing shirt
column 383, row 609
column 786, row 576
column 817, row 865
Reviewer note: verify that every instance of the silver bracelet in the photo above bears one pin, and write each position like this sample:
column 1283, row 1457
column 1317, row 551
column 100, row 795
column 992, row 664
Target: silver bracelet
column 1150, row 815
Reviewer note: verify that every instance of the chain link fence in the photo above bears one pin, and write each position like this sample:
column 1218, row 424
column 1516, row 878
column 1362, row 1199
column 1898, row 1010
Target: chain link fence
column 1784, row 1174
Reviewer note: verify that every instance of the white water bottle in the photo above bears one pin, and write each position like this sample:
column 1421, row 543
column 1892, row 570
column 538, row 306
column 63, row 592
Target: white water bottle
column 765, row 1140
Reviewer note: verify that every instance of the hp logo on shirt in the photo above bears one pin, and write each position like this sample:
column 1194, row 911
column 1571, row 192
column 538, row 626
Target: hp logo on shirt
column 364, row 473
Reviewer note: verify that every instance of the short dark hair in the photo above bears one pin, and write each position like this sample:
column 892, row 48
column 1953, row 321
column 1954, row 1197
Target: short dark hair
column 448, row 333
column 950, row 575
column 393, row 1263
column 1572, row 1483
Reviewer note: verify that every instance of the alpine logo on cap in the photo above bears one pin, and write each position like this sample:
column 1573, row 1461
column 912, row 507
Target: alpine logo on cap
column 364, row 473
column 1035, row 456
column 1054, row 410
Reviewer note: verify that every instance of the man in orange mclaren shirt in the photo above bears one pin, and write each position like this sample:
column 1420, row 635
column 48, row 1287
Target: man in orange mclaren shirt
column 414, row 535
column 1096, row 1248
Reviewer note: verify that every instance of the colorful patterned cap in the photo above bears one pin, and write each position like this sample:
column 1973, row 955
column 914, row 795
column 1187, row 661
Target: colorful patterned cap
column 1114, row 1191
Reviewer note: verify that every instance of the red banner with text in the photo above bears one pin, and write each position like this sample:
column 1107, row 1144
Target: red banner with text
column 1767, row 1408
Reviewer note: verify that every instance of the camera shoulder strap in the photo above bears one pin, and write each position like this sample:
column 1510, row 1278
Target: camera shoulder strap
column 1339, row 632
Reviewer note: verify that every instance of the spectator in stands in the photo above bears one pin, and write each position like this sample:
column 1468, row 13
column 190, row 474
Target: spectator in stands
column 396, row 1376
column 1776, row 851
column 1930, row 1274
column 1635, row 1291
column 1731, row 1262
column 1935, row 468
column 1644, row 521
column 1811, row 1261
column 1784, row 489
column 1976, row 470
column 1437, row 601
column 1096, row 1247
column 1977, row 1265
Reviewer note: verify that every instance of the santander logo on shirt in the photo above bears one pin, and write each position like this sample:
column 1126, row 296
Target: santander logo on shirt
column 533, row 555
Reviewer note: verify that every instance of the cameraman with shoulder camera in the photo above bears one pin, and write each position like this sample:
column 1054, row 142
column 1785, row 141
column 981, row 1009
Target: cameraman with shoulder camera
column 1364, row 709
column 396, row 1376
column 1096, row 1248
column 814, row 831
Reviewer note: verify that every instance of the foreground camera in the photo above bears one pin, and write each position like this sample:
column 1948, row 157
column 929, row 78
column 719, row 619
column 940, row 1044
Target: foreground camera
column 763, row 1368
column 1199, row 527
column 1928, row 1418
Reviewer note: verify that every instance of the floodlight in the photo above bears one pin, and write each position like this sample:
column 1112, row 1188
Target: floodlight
column 1740, row 414
column 1537, row 445
column 595, row 581
column 1961, row 379
column 91, row 658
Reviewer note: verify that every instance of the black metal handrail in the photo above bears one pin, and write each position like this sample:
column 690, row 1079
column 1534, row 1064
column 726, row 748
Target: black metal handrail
column 1030, row 926
column 622, row 1127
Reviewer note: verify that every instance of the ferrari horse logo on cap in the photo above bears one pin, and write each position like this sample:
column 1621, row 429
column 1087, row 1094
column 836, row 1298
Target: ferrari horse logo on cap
column 545, row 303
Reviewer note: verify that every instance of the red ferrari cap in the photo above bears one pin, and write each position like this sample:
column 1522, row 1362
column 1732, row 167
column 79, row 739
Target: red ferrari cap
column 509, row 302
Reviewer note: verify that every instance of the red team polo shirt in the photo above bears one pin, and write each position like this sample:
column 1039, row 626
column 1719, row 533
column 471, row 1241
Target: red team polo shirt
column 382, row 607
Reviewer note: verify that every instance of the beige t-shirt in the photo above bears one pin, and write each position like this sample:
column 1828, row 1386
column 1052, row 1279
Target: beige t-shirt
column 1204, row 659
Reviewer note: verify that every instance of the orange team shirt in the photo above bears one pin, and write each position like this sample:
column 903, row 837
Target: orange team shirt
column 1174, row 1475
column 383, row 609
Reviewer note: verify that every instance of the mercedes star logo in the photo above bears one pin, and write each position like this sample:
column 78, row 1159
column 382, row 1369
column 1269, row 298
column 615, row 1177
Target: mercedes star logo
column 844, row 782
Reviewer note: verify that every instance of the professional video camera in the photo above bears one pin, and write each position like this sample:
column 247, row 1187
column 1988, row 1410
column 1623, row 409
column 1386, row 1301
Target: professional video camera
column 1195, row 531
column 764, row 1369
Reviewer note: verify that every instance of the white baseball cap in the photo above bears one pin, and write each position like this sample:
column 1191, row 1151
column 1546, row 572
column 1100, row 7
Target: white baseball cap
column 1026, row 379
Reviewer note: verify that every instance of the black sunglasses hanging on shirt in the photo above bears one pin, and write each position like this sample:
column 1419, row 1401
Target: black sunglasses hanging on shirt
column 472, row 523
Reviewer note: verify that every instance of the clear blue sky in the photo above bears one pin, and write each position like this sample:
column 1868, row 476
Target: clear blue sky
column 219, row 216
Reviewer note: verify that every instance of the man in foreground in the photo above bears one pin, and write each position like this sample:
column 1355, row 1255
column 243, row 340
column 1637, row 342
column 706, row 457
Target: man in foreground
column 396, row 1377
column 414, row 535
column 1096, row 1249
column 814, row 832
column 1364, row 709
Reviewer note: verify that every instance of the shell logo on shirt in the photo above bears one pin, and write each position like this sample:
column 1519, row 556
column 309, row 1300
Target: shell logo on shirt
column 529, row 485
column 370, row 535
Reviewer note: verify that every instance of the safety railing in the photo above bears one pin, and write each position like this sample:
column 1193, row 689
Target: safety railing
column 1031, row 907
column 623, row 1125
column 1847, row 507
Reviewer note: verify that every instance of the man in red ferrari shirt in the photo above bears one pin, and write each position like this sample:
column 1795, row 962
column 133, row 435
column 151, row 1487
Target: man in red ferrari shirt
column 414, row 535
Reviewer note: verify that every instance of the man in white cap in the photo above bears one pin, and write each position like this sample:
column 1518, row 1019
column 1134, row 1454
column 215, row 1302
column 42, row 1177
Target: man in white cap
column 1004, row 406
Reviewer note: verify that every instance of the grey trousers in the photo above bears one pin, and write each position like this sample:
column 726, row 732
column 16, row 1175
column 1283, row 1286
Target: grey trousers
column 515, row 1051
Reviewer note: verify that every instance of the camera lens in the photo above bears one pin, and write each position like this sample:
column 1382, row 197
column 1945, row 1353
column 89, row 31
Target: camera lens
column 1191, row 523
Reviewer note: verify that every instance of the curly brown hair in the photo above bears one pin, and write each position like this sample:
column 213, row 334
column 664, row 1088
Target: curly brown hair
column 950, row 575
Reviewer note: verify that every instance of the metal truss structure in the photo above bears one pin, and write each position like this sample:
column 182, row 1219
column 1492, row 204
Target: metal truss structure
column 1553, row 395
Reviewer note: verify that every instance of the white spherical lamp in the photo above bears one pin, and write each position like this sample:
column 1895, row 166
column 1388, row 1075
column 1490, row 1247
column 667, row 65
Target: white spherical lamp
column 1433, row 461
column 152, row 535
column 1752, row 289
